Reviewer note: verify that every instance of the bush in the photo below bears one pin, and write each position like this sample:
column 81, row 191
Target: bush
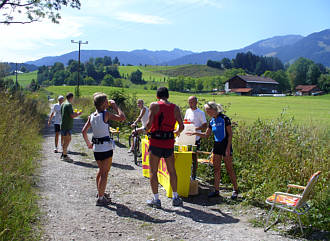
column 20, row 124
column 268, row 155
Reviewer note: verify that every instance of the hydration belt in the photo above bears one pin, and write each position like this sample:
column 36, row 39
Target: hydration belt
column 161, row 135
column 101, row 140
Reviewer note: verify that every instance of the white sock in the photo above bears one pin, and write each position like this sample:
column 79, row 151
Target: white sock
column 100, row 198
column 156, row 196
column 175, row 195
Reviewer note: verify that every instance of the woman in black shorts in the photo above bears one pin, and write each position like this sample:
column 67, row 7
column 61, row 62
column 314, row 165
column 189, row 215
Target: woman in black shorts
column 101, row 143
column 220, row 125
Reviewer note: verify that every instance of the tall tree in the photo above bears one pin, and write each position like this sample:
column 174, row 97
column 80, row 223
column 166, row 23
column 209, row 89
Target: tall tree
column 28, row 11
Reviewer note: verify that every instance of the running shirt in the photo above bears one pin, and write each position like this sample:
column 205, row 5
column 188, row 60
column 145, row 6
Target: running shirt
column 100, row 129
column 57, row 114
column 144, row 118
column 164, row 120
column 218, row 126
column 67, row 120
column 197, row 117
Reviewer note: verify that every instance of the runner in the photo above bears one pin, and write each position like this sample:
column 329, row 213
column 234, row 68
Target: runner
column 101, row 144
column 220, row 125
column 197, row 117
column 67, row 124
column 143, row 117
column 161, row 122
column 56, row 113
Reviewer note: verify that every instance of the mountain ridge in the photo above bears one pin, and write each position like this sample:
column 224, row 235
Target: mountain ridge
column 315, row 46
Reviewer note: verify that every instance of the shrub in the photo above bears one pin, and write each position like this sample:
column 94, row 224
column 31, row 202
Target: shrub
column 20, row 124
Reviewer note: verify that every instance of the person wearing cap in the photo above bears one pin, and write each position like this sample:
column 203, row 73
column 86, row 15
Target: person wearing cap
column 197, row 117
column 56, row 113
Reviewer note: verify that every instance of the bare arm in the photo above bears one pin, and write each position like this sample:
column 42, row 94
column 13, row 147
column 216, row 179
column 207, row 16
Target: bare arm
column 230, row 137
column 206, row 134
column 202, row 127
column 153, row 110
column 140, row 117
column 84, row 133
column 50, row 117
column 177, row 114
column 120, row 116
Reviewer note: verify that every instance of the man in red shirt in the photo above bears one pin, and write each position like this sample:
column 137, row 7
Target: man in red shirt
column 162, row 118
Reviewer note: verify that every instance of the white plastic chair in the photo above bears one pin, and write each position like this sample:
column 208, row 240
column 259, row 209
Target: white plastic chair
column 292, row 202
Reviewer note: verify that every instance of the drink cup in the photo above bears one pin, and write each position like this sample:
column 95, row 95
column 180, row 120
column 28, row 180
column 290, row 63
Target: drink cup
column 117, row 129
column 80, row 110
column 184, row 148
column 176, row 147
column 189, row 148
column 194, row 148
column 75, row 110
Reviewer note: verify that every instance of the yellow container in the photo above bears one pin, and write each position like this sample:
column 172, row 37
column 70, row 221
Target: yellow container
column 183, row 163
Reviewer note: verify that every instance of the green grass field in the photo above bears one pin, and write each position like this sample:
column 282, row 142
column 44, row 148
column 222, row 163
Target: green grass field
column 24, row 79
column 305, row 109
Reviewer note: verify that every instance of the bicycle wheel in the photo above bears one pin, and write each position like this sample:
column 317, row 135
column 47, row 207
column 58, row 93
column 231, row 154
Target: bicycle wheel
column 136, row 149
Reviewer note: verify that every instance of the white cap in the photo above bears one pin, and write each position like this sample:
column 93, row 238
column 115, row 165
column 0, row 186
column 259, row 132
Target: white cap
column 60, row 97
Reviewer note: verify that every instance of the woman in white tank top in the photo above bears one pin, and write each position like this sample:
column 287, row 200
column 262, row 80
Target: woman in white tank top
column 101, row 143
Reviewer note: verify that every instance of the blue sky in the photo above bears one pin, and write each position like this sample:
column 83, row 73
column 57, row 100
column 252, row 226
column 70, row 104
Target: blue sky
column 196, row 25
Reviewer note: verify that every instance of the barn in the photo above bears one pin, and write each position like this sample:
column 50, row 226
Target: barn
column 251, row 85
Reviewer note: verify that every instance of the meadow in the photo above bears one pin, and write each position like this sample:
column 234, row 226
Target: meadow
column 306, row 110
column 24, row 79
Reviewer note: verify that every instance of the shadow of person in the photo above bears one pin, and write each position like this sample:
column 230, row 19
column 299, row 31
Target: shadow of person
column 77, row 153
column 124, row 211
column 120, row 145
column 203, row 217
column 122, row 166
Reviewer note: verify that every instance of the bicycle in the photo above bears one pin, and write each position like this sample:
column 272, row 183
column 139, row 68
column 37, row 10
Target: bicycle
column 136, row 139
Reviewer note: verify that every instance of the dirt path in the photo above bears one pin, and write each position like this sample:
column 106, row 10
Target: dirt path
column 68, row 200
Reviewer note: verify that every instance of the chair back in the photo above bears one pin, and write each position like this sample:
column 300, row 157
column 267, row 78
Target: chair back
column 308, row 190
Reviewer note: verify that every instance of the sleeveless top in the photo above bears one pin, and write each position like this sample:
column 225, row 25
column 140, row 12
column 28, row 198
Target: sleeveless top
column 100, row 129
column 164, row 120
column 144, row 118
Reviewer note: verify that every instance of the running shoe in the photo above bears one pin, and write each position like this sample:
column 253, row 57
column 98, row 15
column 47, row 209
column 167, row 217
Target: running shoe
column 213, row 194
column 154, row 203
column 103, row 201
column 177, row 202
column 55, row 150
column 107, row 195
column 129, row 151
column 234, row 195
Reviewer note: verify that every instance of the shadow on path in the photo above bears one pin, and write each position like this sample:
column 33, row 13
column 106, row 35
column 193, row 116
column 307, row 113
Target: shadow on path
column 203, row 217
column 124, row 211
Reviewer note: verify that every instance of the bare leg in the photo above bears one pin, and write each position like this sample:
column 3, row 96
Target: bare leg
column 194, row 166
column 217, row 169
column 170, row 163
column 66, row 143
column 56, row 138
column 98, row 176
column 104, row 167
column 153, row 162
column 230, row 169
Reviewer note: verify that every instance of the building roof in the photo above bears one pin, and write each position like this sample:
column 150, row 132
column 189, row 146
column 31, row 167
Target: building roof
column 241, row 90
column 305, row 88
column 257, row 79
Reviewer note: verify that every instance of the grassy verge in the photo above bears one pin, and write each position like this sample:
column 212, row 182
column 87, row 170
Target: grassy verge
column 20, row 144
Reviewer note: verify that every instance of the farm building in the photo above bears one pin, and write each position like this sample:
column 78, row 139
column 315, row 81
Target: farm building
column 307, row 90
column 251, row 85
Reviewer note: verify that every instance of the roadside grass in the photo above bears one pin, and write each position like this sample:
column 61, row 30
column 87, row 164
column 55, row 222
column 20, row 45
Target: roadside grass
column 194, row 71
column 25, row 78
column 20, row 145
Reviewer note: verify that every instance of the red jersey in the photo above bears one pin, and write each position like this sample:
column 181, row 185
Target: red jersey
column 164, row 120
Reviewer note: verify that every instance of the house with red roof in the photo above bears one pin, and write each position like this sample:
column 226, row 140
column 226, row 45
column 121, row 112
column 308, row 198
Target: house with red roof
column 307, row 90
column 251, row 85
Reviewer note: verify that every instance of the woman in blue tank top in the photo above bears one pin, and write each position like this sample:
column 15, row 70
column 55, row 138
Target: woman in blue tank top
column 220, row 125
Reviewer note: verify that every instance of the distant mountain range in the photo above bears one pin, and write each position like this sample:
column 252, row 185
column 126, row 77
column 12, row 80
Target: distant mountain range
column 288, row 48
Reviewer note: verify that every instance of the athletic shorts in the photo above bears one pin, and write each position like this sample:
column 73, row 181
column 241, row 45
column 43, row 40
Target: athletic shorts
column 198, row 144
column 219, row 148
column 161, row 152
column 66, row 132
column 100, row 156
column 57, row 127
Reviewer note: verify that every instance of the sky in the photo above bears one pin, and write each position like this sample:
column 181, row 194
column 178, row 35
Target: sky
column 195, row 25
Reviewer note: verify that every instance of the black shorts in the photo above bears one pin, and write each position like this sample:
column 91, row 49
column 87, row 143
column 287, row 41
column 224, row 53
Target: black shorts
column 198, row 144
column 57, row 127
column 219, row 148
column 100, row 156
column 161, row 152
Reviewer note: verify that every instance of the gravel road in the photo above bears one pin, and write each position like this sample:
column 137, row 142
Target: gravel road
column 68, row 193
